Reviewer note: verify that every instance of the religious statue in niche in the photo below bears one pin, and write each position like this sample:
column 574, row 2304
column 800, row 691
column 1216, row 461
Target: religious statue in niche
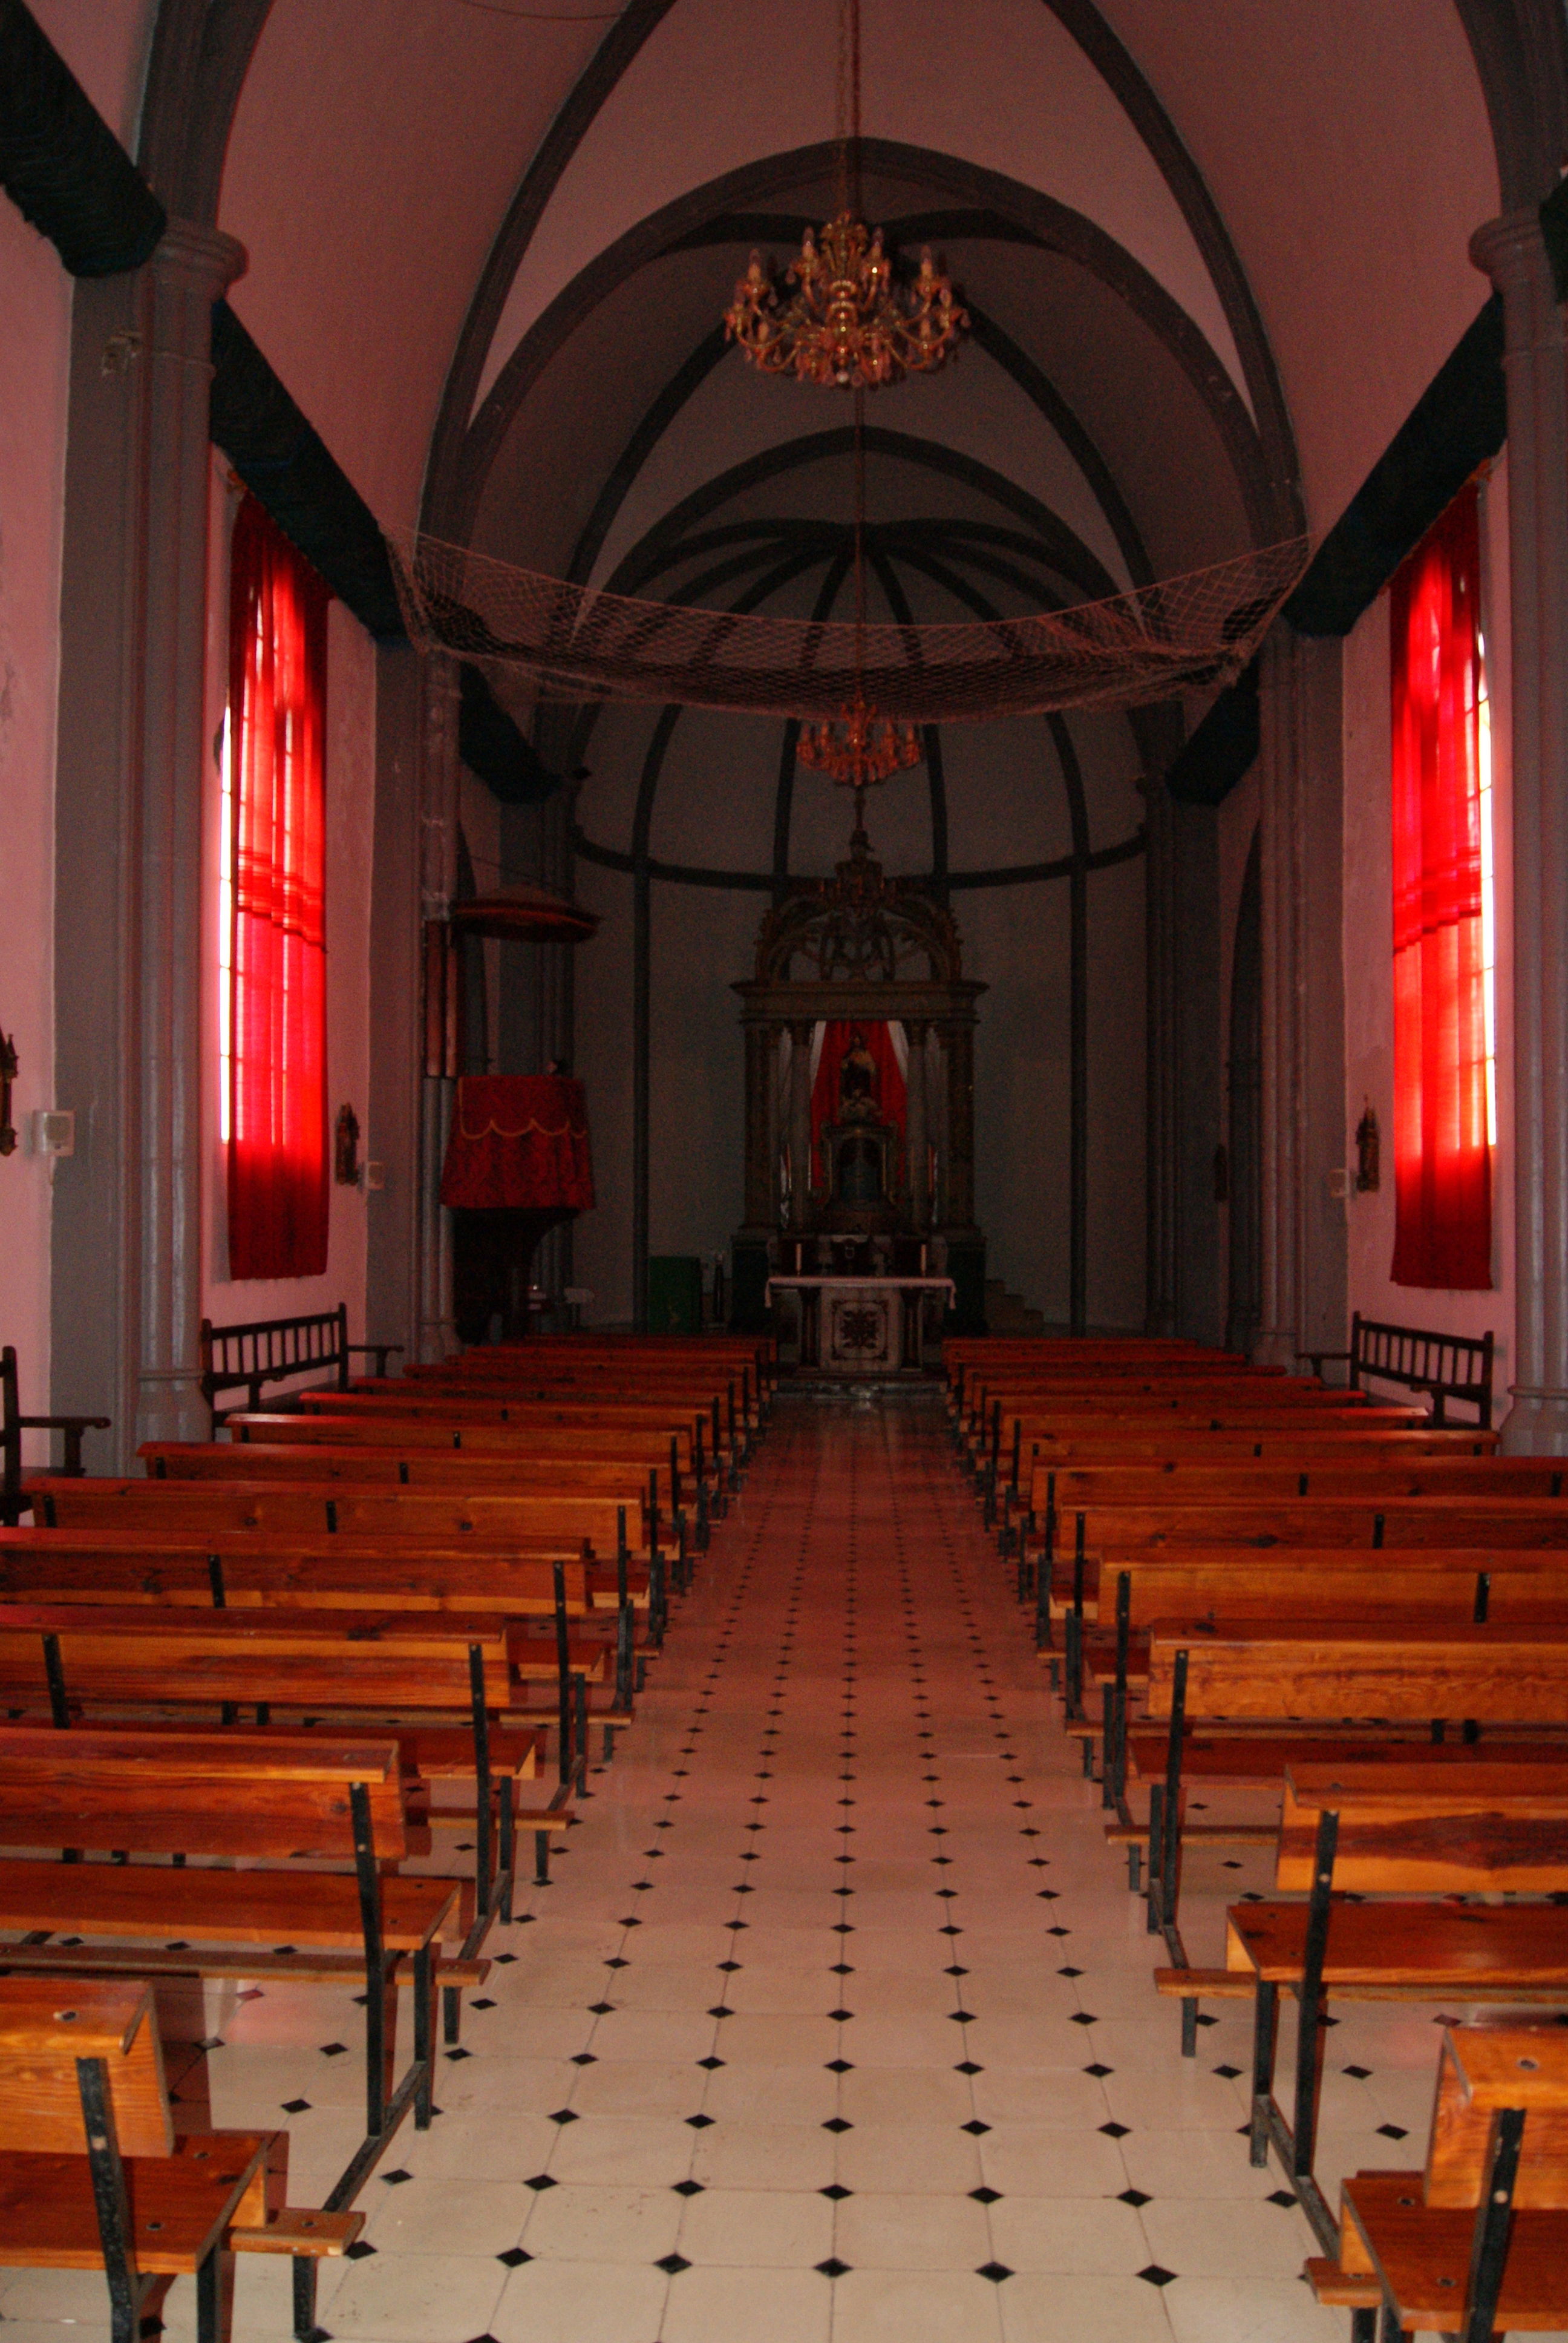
column 858, row 1081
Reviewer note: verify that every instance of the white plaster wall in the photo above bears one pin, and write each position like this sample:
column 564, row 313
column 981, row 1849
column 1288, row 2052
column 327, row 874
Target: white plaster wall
column 1368, row 965
column 35, row 347
column 351, row 808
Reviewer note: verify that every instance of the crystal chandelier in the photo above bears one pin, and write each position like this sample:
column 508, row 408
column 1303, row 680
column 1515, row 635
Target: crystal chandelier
column 847, row 325
column 858, row 748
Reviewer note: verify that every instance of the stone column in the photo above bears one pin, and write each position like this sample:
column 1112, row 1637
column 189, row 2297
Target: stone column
column 189, row 271
column 759, row 1149
column 915, row 1143
column 960, row 1041
column 1513, row 254
column 1304, row 1236
column 800, row 1032
column 437, row 801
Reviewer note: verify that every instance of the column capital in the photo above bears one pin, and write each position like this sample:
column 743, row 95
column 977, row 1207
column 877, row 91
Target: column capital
column 801, row 1032
column 188, row 248
column 1511, row 249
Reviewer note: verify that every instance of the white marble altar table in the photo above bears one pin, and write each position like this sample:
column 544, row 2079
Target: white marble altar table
column 861, row 1325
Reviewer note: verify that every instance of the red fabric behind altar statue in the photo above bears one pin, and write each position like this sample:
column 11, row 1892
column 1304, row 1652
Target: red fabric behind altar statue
column 519, row 1141
column 889, row 1089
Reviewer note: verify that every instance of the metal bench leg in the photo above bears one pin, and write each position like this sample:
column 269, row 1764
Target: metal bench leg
column 1265, row 2018
column 305, row 2267
column 541, row 1858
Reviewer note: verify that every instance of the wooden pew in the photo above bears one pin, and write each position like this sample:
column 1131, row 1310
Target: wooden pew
column 93, row 2174
column 123, row 1664
column 1398, row 1831
column 1476, row 2245
column 269, row 1801
column 1259, row 1694
column 1436, row 1583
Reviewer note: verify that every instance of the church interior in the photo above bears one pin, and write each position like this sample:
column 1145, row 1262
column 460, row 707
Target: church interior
column 783, row 1128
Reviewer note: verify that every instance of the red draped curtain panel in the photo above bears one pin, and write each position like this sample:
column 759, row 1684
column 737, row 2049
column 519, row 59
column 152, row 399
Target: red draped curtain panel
column 1442, row 1165
column 890, row 1089
column 277, row 1150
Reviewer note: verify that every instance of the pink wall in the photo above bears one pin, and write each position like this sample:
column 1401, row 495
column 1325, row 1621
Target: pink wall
column 36, row 304
column 1368, row 955
column 350, row 801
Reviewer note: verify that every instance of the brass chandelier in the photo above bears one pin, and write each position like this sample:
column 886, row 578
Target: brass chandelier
column 858, row 748
column 847, row 325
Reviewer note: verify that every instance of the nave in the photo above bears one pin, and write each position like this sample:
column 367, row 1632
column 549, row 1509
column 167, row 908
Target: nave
column 837, row 1989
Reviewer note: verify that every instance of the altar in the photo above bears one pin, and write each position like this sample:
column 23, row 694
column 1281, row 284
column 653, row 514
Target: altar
column 859, row 1125
column 861, row 1325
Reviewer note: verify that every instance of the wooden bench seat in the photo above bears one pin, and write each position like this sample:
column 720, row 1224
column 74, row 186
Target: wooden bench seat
column 267, row 1801
column 1476, row 2244
column 1283, row 1678
column 94, row 2176
column 1463, row 1832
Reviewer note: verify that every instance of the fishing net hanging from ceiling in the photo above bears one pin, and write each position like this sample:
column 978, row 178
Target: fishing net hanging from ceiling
column 1155, row 643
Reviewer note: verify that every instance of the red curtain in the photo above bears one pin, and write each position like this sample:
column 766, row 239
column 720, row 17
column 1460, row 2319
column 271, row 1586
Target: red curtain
column 891, row 1089
column 277, row 1150
column 1442, row 1164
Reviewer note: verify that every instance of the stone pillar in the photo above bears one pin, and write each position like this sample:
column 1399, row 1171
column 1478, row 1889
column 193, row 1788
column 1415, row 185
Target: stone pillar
column 437, row 802
column 1513, row 254
column 1161, row 1183
column 915, row 1143
column 960, row 1041
column 1304, row 1235
column 190, row 270
column 800, row 1032
column 759, row 1148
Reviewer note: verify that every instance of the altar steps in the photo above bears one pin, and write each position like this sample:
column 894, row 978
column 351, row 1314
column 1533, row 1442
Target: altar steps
column 1010, row 1313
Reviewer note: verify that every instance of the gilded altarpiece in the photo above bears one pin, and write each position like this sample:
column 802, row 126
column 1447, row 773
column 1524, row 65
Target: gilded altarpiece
column 853, row 1185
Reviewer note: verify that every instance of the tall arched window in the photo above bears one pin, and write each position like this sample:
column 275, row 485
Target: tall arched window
column 273, row 1026
column 1441, row 959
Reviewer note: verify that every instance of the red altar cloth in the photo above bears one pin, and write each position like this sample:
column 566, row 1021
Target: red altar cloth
column 518, row 1140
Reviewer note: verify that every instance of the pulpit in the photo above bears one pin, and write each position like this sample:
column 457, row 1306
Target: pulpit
column 517, row 1162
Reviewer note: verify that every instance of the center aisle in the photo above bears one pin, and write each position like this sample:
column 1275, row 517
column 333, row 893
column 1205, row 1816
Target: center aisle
column 838, row 2023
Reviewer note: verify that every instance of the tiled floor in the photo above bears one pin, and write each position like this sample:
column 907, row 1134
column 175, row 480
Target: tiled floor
column 837, row 2024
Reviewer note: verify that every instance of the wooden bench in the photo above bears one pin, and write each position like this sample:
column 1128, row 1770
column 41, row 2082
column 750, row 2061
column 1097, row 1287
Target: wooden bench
column 418, row 1669
column 268, row 1802
column 274, row 1350
column 1444, row 1366
column 93, row 2174
column 1476, row 2245
column 14, row 1424
column 1267, row 1687
column 1397, row 1832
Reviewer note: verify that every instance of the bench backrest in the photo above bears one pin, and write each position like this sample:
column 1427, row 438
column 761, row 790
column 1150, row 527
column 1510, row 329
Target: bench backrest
column 47, row 2023
column 210, row 1793
column 1493, row 1672
column 298, row 1511
column 386, row 1662
column 1448, row 1366
column 50, row 1565
column 1232, row 1582
column 1478, row 1830
column 1372, row 1522
column 1482, row 2070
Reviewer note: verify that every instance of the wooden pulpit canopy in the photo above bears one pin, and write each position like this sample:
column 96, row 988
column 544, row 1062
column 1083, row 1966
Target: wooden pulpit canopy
column 524, row 915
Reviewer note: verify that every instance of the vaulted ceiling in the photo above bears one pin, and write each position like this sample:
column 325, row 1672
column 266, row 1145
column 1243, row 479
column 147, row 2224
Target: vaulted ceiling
column 1213, row 255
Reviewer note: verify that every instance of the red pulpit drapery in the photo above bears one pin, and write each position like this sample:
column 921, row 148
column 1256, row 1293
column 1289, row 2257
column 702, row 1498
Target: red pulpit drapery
column 520, row 1140
column 278, row 1148
column 1442, row 1165
column 889, row 1091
